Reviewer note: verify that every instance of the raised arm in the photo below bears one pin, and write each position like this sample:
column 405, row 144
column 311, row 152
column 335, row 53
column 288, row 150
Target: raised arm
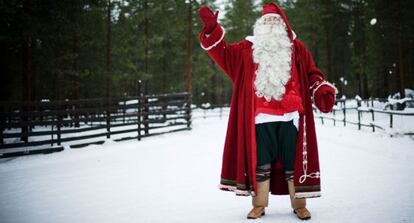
column 227, row 56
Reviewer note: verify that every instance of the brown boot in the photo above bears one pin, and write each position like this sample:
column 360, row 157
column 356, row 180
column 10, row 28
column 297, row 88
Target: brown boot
column 298, row 204
column 260, row 201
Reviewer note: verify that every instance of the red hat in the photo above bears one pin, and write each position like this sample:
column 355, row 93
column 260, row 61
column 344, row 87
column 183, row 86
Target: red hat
column 270, row 9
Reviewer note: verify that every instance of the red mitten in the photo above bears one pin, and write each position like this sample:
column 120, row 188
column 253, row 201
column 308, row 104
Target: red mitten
column 324, row 98
column 209, row 19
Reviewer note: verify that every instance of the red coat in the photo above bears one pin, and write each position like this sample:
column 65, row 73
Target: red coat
column 239, row 157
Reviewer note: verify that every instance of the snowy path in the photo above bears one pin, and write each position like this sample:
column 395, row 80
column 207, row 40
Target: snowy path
column 366, row 177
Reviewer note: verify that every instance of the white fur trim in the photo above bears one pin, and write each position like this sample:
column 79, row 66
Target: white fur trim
column 231, row 188
column 251, row 39
column 235, row 190
column 271, row 14
column 315, row 84
column 323, row 83
column 294, row 34
column 216, row 43
column 242, row 193
column 308, row 194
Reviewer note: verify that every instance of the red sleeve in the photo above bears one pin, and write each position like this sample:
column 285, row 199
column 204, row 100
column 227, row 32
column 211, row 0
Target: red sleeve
column 315, row 76
column 227, row 56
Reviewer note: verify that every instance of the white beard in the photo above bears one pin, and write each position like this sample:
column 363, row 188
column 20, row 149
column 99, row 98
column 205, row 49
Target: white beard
column 272, row 52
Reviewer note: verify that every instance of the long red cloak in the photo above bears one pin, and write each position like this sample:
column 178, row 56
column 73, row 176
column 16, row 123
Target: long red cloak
column 239, row 157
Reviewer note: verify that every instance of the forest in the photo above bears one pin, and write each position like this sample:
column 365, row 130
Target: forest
column 56, row 50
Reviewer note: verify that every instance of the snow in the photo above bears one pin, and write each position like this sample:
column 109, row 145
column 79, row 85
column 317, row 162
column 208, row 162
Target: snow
column 395, row 101
column 366, row 177
column 407, row 91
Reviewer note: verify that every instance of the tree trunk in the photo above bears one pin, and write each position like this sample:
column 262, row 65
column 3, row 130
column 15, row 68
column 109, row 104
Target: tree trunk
column 75, row 76
column 328, row 32
column 27, row 66
column 5, row 90
column 146, row 62
column 359, row 79
column 146, row 45
column 400, row 76
column 365, row 85
column 189, row 73
column 360, row 48
column 108, row 47
column 328, row 53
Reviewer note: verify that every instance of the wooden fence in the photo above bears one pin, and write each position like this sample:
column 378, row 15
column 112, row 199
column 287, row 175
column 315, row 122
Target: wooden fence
column 368, row 108
column 27, row 125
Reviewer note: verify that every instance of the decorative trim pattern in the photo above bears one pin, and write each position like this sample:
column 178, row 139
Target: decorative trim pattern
column 216, row 43
column 308, row 194
column 238, row 192
column 305, row 174
column 320, row 84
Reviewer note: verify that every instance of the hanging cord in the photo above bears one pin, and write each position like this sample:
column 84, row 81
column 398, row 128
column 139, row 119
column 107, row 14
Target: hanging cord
column 305, row 157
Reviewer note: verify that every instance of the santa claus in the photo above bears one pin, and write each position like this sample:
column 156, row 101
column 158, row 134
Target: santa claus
column 270, row 143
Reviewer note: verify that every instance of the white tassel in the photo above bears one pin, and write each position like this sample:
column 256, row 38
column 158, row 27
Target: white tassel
column 305, row 175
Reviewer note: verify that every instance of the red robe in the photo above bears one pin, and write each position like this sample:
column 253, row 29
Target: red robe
column 239, row 158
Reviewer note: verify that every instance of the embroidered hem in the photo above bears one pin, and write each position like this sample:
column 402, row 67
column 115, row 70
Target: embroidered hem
column 308, row 194
column 237, row 188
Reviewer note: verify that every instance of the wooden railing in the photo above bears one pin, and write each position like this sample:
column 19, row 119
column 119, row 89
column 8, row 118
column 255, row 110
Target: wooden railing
column 367, row 108
column 24, row 125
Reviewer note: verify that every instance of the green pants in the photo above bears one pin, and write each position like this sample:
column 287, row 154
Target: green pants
column 276, row 140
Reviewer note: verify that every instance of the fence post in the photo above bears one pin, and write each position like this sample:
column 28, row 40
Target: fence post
column 372, row 114
column 344, row 110
column 2, row 122
column 188, row 110
column 1, row 135
column 390, row 120
column 124, row 111
column 164, row 107
column 76, row 107
column 108, row 119
column 359, row 119
column 59, row 123
column 373, row 120
column 139, row 109
column 146, row 110
column 25, row 129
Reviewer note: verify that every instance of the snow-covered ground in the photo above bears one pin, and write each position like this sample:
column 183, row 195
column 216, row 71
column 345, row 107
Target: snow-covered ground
column 366, row 177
